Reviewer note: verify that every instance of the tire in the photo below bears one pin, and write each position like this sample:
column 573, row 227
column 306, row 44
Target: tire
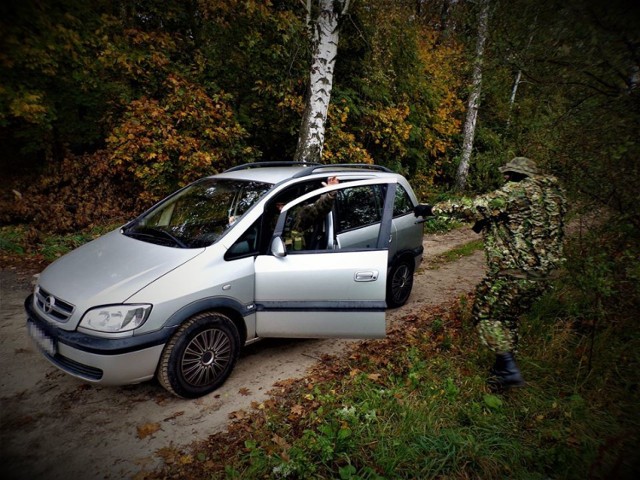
column 399, row 283
column 200, row 355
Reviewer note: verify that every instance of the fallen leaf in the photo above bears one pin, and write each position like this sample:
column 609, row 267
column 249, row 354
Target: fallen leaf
column 174, row 416
column 147, row 429
column 492, row 401
column 281, row 442
column 297, row 410
column 238, row 415
column 244, row 391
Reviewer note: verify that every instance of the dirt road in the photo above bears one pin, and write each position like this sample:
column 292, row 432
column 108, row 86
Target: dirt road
column 55, row 427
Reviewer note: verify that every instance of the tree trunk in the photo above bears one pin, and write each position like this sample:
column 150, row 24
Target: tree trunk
column 325, row 36
column 445, row 15
column 474, row 98
column 512, row 99
column 516, row 83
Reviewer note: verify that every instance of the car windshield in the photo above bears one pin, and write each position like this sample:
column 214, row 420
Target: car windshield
column 198, row 215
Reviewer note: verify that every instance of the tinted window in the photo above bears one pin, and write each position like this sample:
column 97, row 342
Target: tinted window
column 247, row 244
column 402, row 203
column 359, row 206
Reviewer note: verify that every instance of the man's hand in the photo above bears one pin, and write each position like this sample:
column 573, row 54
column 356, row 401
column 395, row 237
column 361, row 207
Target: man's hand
column 423, row 210
column 331, row 181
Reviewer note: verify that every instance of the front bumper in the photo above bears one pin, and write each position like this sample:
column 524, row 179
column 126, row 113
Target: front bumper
column 103, row 361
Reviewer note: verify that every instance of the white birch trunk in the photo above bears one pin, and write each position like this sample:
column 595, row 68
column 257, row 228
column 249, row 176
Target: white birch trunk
column 325, row 36
column 516, row 83
column 474, row 98
column 512, row 99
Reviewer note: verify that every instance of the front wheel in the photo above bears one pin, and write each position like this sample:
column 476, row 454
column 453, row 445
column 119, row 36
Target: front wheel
column 200, row 356
column 399, row 284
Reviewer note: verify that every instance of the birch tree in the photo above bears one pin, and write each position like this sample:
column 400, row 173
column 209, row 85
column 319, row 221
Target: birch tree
column 474, row 97
column 324, row 37
column 518, row 79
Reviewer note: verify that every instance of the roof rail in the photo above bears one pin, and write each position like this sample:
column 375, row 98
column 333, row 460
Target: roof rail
column 364, row 166
column 247, row 166
column 314, row 168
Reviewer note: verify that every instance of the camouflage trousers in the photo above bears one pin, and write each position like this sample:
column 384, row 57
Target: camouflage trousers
column 499, row 302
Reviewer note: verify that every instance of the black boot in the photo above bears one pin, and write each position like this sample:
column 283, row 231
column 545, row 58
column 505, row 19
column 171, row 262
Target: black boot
column 505, row 373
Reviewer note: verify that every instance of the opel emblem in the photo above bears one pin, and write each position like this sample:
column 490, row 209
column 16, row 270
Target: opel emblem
column 49, row 303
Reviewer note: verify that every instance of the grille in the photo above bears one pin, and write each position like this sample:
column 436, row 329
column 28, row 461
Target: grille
column 84, row 371
column 52, row 306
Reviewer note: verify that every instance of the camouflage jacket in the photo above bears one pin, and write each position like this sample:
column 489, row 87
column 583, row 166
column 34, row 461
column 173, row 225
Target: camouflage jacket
column 305, row 218
column 310, row 214
column 522, row 225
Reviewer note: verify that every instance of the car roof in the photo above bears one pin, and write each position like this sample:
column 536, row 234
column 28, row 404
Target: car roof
column 276, row 172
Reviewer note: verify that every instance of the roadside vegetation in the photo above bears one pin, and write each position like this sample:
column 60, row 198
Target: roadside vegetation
column 31, row 250
column 416, row 405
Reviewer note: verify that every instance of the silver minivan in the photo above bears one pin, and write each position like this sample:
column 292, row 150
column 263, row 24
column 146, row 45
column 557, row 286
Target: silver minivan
column 261, row 250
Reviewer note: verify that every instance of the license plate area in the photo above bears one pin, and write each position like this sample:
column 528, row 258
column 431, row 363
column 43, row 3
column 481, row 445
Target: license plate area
column 42, row 339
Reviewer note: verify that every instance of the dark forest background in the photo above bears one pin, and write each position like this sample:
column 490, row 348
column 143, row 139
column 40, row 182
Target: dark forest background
column 106, row 106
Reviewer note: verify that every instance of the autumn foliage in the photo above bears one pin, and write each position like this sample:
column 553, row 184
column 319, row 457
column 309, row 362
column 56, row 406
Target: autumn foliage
column 120, row 107
column 165, row 144
column 80, row 192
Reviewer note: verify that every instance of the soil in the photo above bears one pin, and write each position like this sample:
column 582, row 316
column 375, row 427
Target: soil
column 53, row 426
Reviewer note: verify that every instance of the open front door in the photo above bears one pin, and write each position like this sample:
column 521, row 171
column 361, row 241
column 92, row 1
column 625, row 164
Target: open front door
column 308, row 287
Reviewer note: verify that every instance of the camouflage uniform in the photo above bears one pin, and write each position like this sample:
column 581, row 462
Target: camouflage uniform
column 522, row 227
column 306, row 218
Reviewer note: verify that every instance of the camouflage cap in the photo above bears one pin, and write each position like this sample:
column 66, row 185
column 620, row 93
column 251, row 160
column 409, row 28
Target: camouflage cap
column 521, row 165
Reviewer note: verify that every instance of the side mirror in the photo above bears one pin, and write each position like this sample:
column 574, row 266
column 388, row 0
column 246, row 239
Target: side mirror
column 277, row 247
column 423, row 210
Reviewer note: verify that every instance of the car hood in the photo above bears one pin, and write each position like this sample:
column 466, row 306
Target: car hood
column 110, row 269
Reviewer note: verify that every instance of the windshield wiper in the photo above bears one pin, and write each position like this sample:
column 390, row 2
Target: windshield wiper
column 155, row 233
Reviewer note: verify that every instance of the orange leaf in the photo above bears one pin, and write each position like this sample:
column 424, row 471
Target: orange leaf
column 147, row 429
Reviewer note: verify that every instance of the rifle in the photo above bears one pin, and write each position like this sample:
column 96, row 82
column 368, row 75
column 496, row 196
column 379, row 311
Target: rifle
column 481, row 224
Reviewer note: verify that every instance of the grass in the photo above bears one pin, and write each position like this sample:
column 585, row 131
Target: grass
column 462, row 251
column 411, row 407
column 440, row 225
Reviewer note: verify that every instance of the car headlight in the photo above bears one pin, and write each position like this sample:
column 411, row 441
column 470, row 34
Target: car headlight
column 115, row 318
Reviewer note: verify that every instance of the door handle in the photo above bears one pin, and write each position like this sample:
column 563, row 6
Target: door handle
column 366, row 276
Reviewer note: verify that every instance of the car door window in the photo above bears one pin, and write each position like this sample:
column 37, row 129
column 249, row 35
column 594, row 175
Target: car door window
column 358, row 207
column 247, row 244
column 402, row 203
column 306, row 224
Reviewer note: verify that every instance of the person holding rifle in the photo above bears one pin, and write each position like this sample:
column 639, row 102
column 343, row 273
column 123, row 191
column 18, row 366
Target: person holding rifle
column 522, row 224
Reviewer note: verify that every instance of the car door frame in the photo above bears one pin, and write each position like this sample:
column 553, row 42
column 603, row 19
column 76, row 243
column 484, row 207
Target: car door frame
column 329, row 293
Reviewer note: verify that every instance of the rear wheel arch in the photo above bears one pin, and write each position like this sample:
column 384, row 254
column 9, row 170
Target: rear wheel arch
column 400, row 279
